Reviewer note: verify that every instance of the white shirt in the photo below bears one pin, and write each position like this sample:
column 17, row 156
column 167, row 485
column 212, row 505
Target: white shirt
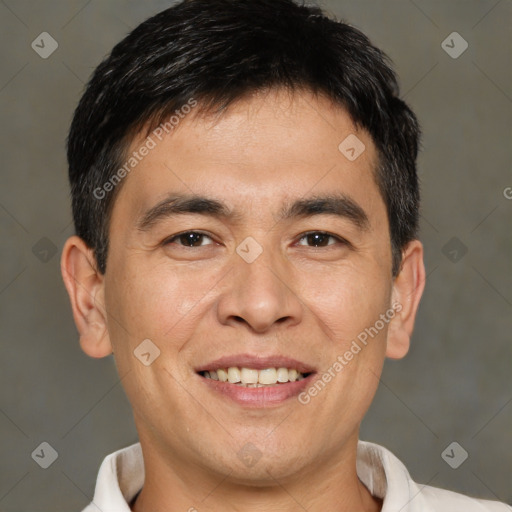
column 121, row 476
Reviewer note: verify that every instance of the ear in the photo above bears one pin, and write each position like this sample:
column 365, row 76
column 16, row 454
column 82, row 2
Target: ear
column 407, row 291
column 85, row 286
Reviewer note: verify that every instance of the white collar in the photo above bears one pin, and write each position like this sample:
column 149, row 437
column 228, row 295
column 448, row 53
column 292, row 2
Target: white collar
column 121, row 476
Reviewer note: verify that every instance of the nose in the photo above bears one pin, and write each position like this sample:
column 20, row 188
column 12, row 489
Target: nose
column 260, row 294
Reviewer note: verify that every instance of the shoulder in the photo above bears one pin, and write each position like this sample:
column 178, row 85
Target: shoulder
column 386, row 477
column 442, row 500
column 120, row 477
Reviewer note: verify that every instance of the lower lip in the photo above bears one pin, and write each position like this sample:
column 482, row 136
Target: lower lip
column 259, row 397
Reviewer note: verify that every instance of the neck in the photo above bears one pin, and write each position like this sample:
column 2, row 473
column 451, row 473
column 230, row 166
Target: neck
column 174, row 485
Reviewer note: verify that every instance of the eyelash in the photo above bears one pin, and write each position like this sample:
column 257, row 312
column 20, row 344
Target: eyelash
column 302, row 237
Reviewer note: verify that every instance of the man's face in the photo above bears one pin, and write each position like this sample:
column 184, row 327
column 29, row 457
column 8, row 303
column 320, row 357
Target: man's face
column 303, row 299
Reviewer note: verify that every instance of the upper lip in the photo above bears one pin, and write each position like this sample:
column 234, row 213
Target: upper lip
column 257, row 362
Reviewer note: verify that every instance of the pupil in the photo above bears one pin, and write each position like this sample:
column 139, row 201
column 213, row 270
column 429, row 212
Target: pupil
column 318, row 239
column 191, row 239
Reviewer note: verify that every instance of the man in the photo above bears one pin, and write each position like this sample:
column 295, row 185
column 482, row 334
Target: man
column 246, row 205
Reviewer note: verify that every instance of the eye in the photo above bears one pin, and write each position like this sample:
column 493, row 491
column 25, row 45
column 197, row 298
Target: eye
column 320, row 239
column 189, row 239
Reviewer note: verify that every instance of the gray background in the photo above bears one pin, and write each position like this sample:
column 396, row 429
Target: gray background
column 455, row 384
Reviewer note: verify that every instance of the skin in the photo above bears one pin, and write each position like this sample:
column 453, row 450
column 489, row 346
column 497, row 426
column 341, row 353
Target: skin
column 200, row 303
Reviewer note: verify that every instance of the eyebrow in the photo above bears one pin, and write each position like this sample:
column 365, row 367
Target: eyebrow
column 182, row 204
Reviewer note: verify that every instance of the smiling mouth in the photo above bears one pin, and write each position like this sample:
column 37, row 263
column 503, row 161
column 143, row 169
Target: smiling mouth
column 254, row 378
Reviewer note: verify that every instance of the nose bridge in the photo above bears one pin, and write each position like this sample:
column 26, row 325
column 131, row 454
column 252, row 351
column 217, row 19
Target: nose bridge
column 259, row 291
column 265, row 273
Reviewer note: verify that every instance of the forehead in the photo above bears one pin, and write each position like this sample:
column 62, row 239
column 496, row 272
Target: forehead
column 264, row 149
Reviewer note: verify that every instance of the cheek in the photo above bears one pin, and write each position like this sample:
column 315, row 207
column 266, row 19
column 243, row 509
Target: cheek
column 158, row 302
column 345, row 301
column 346, row 306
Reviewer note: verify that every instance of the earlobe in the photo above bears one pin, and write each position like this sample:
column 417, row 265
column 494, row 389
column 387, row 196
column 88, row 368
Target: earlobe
column 407, row 291
column 85, row 286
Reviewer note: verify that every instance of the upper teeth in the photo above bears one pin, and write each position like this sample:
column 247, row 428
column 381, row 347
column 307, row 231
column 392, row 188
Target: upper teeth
column 250, row 376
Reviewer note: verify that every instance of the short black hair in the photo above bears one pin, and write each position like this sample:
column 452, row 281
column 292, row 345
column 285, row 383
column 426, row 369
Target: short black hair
column 220, row 51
